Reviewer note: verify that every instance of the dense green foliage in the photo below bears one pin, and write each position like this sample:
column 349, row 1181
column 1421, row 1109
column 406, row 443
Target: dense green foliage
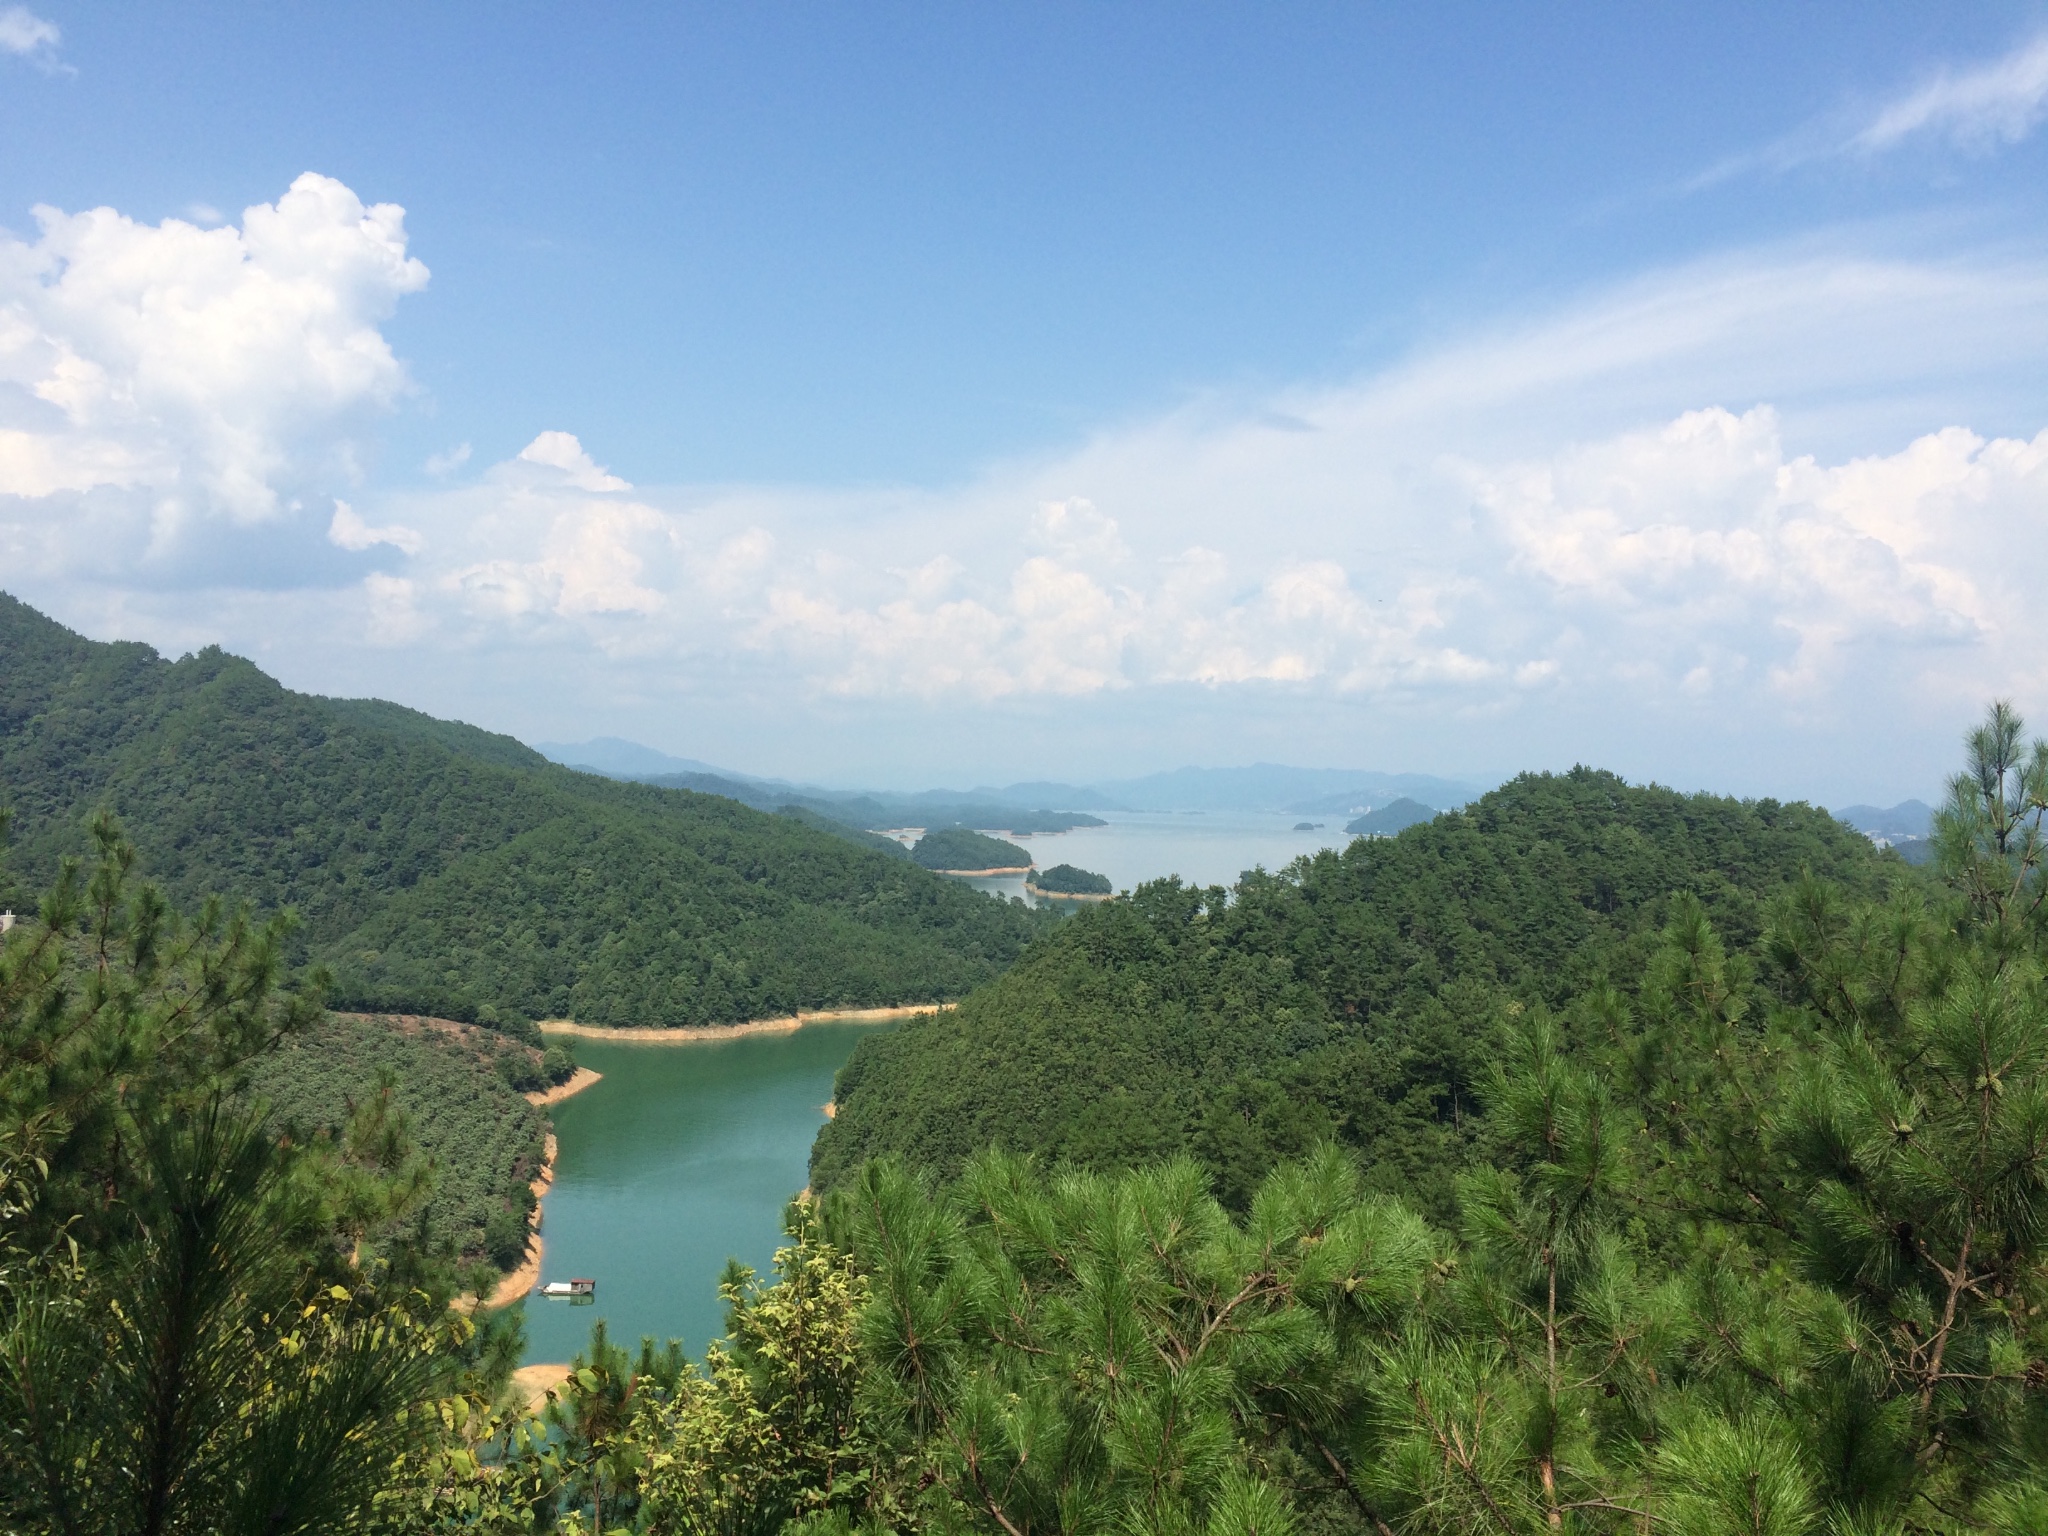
column 886, row 846
column 455, row 1086
column 1387, row 820
column 1348, row 997
column 1750, row 1236
column 186, row 1343
column 440, row 869
column 957, row 848
column 1068, row 880
column 1761, row 1248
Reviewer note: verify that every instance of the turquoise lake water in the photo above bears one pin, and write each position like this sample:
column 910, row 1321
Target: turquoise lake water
column 686, row 1154
column 682, row 1156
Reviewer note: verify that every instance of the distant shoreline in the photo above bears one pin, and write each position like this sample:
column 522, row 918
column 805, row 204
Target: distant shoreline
column 981, row 874
column 693, row 1034
column 1046, row 895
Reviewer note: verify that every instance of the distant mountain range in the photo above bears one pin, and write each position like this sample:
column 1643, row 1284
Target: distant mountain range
column 620, row 759
column 1277, row 787
column 1035, row 805
column 1907, row 820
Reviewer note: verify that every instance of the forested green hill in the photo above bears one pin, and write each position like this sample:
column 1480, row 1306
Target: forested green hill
column 958, row 848
column 1352, row 996
column 440, row 869
column 1068, row 880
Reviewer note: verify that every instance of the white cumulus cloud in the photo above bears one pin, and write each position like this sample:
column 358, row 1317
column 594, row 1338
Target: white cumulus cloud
column 1742, row 498
column 561, row 450
column 1703, row 551
column 347, row 530
column 174, row 376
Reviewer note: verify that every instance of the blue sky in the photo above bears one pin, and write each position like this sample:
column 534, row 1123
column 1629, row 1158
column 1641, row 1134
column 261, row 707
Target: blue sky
column 917, row 394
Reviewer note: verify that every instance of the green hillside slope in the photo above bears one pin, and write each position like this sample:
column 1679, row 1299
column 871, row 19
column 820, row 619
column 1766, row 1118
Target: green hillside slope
column 1353, row 996
column 441, row 869
column 484, row 1142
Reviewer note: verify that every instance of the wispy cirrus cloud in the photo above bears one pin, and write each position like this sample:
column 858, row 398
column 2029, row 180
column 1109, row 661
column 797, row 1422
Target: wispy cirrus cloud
column 1976, row 110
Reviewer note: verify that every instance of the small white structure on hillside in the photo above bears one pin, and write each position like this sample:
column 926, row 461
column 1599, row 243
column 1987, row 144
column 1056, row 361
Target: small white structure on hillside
column 6, row 921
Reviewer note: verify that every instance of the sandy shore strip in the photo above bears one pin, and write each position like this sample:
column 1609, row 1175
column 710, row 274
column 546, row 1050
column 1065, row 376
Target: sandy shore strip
column 523, row 1279
column 1043, row 894
column 583, row 1078
column 534, row 1382
column 692, row 1034
column 984, row 874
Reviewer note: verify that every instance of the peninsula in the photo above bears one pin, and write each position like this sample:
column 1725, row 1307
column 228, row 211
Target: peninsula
column 961, row 851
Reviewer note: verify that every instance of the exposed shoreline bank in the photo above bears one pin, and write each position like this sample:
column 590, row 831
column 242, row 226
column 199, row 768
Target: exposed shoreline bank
column 582, row 1079
column 1044, row 895
column 983, row 874
column 522, row 1280
column 693, row 1034
column 533, row 1383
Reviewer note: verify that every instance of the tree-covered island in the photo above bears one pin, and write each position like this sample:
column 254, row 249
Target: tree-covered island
column 959, row 851
column 1068, row 880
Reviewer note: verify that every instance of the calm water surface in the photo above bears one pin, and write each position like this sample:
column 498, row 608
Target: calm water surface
column 682, row 1157
column 1202, row 847
column 685, row 1154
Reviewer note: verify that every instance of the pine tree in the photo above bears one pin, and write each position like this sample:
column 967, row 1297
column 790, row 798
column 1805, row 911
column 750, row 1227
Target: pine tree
column 184, row 1345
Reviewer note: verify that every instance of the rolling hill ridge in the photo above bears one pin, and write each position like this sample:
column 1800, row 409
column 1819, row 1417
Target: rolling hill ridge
column 441, row 869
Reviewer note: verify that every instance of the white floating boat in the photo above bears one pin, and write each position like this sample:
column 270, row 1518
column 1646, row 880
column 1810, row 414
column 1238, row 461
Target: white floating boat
column 569, row 1288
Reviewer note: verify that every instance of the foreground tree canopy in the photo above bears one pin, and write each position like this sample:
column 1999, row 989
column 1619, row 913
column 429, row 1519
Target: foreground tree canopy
column 1353, row 997
column 1747, row 1235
